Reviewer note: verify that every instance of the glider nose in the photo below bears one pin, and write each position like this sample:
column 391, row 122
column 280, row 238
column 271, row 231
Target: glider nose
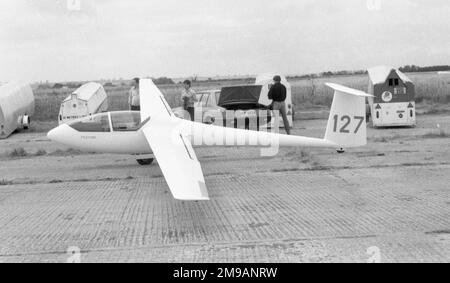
column 52, row 134
column 57, row 134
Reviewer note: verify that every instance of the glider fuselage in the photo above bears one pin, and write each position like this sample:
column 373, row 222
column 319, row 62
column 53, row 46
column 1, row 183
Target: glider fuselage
column 133, row 142
column 122, row 133
column 112, row 132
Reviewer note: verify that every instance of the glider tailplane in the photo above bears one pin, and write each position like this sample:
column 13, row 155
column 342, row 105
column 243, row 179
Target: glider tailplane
column 347, row 123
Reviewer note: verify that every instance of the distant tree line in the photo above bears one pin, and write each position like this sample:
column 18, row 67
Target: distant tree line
column 75, row 85
column 417, row 69
column 405, row 69
column 163, row 81
column 169, row 81
column 67, row 85
column 329, row 74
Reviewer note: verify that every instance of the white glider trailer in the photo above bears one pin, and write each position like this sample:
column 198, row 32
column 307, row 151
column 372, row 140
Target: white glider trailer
column 87, row 100
column 16, row 107
column 393, row 102
column 266, row 80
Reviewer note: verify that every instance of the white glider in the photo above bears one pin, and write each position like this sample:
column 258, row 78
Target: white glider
column 156, row 130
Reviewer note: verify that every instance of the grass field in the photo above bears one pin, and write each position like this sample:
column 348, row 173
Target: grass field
column 432, row 92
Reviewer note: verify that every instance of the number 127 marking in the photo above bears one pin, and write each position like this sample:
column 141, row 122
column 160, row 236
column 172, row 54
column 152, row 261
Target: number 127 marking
column 346, row 120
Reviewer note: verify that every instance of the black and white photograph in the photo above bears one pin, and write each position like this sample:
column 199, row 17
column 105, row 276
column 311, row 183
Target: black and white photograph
column 226, row 138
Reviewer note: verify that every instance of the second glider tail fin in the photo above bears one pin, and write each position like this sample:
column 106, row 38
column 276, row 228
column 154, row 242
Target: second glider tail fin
column 347, row 122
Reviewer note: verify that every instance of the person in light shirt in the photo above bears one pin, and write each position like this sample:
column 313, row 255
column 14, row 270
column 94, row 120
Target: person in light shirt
column 134, row 98
column 189, row 98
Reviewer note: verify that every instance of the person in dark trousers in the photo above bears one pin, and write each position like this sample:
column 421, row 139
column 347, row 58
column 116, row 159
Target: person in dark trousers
column 189, row 98
column 134, row 98
column 277, row 93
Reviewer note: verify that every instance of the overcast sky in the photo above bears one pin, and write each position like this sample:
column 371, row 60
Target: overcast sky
column 53, row 40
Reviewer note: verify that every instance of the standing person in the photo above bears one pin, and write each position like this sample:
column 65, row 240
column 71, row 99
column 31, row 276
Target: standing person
column 277, row 93
column 134, row 98
column 189, row 98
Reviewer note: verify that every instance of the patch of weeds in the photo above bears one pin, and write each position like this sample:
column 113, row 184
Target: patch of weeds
column 72, row 151
column 18, row 152
column 381, row 139
column 305, row 157
column 285, row 170
column 432, row 111
column 40, row 152
column 437, row 135
column 57, row 152
column 388, row 138
column 316, row 166
column 438, row 232
column 413, row 164
column 68, row 152
column 4, row 182
column 82, row 180
column 219, row 174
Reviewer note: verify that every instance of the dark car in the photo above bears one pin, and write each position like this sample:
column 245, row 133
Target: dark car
column 244, row 101
column 235, row 106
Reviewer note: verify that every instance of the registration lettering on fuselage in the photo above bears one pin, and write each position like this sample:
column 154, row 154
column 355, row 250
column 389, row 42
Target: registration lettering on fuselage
column 88, row 137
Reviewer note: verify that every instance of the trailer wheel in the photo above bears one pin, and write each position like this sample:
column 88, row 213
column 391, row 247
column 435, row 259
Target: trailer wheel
column 145, row 162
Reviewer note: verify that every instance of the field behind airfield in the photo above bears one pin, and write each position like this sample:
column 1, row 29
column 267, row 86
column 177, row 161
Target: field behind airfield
column 432, row 94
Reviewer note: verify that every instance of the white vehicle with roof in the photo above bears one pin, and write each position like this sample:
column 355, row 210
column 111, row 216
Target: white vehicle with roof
column 16, row 107
column 87, row 100
column 206, row 108
column 393, row 103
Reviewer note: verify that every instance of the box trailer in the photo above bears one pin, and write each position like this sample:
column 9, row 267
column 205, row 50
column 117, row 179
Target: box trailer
column 16, row 107
column 87, row 100
column 393, row 102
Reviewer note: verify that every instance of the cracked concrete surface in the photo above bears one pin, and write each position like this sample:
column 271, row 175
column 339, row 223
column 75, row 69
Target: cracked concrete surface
column 303, row 205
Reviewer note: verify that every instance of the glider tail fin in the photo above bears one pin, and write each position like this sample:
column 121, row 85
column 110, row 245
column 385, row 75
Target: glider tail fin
column 347, row 123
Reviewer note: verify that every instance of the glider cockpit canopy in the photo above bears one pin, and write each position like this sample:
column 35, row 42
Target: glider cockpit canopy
column 123, row 121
